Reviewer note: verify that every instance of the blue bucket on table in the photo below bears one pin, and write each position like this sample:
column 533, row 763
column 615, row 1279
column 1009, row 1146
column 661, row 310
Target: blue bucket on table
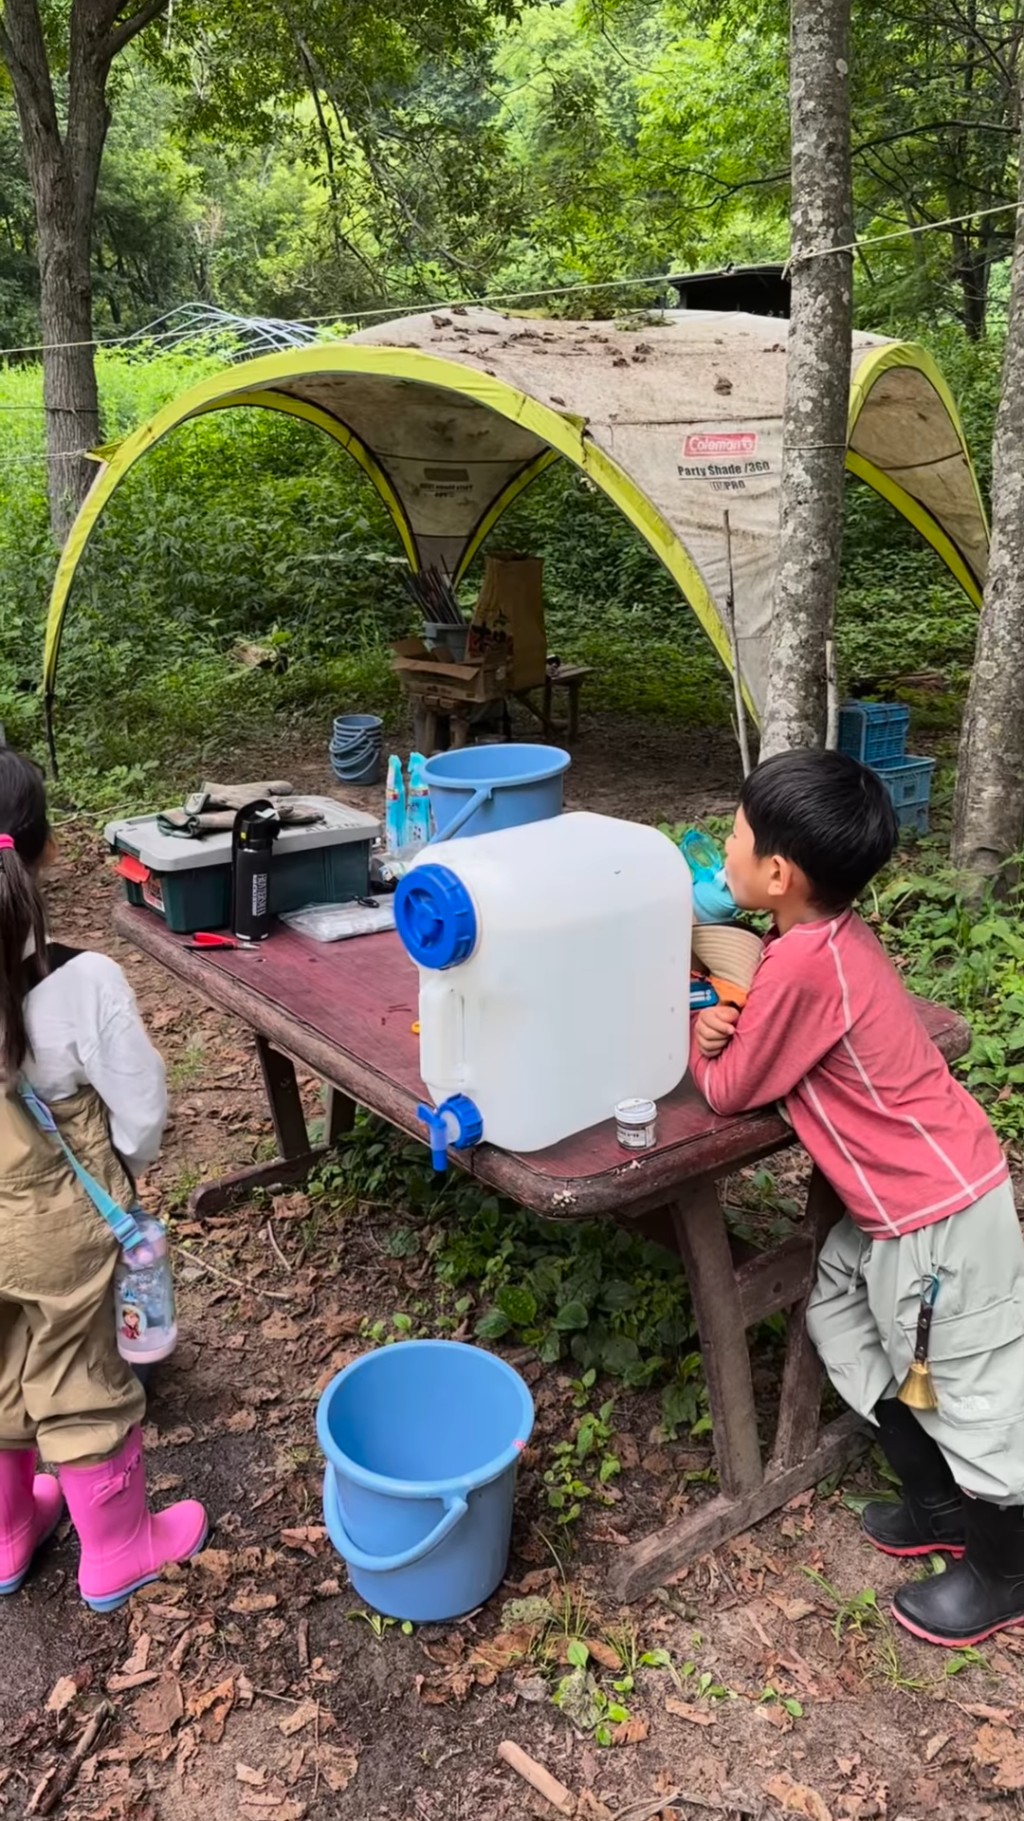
column 480, row 789
column 422, row 1442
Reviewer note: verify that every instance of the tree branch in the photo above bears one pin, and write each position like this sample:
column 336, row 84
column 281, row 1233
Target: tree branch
column 130, row 28
column 24, row 53
column 935, row 126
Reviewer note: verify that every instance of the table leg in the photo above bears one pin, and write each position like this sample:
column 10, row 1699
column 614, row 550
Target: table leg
column 574, row 711
column 285, row 1101
column 725, row 1298
column 547, row 711
column 800, row 1397
column 703, row 1243
column 339, row 1117
column 297, row 1156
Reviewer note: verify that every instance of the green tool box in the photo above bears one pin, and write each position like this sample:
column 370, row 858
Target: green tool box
column 187, row 880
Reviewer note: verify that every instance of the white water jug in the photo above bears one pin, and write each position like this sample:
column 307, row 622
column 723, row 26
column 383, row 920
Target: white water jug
column 554, row 976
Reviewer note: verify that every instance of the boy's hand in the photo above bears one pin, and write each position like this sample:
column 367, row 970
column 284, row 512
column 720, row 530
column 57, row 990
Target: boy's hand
column 716, row 1027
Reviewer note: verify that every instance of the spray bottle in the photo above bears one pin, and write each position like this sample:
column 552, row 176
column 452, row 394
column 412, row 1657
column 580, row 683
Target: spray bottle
column 395, row 832
column 419, row 822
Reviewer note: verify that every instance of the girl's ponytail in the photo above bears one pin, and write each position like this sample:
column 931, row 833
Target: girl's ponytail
column 26, row 827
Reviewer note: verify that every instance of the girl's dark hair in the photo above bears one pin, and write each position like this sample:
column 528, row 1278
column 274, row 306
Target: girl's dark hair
column 22, row 919
column 829, row 815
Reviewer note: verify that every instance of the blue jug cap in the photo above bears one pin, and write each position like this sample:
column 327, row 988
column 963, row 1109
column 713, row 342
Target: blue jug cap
column 434, row 916
column 456, row 1124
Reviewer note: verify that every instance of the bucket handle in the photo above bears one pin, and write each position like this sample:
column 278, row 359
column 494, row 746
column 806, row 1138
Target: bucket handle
column 480, row 796
column 455, row 1511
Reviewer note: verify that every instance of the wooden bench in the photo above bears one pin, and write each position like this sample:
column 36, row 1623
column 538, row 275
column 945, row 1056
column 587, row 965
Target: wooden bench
column 346, row 1011
column 569, row 678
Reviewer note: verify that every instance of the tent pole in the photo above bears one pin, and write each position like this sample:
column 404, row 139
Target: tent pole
column 737, row 681
column 51, row 739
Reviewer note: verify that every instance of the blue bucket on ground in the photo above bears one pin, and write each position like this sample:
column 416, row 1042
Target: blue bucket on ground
column 422, row 1442
column 480, row 789
column 355, row 748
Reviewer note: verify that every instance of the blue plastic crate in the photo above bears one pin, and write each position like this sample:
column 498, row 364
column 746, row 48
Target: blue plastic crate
column 910, row 786
column 874, row 732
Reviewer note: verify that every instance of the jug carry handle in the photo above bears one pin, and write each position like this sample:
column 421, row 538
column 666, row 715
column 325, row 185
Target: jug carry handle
column 386, row 1564
column 442, row 1044
column 472, row 804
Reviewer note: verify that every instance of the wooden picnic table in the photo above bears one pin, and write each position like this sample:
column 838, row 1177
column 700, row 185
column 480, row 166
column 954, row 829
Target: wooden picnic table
column 345, row 1011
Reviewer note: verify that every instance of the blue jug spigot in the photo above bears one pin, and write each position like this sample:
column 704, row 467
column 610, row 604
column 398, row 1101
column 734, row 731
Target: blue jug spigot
column 455, row 1125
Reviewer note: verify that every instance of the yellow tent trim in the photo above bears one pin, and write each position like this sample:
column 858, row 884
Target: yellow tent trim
column 517, row 485
column 870, row 371
column 344, row 435
column 920, row 518
column 563, row 433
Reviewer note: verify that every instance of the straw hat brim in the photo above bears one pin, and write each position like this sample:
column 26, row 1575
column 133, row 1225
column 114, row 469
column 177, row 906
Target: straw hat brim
column 728, row 952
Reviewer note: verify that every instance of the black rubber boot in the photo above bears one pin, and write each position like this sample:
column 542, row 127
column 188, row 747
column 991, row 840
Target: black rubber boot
column 978, row 1596
column 929, row 1519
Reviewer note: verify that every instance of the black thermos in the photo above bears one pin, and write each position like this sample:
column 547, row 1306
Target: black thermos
column 257, row 827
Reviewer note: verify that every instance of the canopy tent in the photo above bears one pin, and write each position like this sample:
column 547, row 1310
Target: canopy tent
column 452, row 414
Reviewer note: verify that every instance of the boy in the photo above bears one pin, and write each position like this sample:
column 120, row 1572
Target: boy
column 830, row 1032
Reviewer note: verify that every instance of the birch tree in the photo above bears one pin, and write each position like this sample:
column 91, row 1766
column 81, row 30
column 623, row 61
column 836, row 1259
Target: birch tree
column 817, row 375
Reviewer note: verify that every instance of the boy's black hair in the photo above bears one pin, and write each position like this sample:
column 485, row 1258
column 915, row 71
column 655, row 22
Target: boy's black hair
column 828, row 815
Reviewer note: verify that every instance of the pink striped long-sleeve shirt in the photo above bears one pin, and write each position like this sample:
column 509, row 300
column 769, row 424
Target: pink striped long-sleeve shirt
column 830, row 1031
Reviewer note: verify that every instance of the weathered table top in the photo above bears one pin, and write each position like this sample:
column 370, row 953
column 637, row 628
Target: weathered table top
column 346, row 1010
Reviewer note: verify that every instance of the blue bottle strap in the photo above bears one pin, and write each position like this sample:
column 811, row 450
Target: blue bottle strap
column 123, row 1224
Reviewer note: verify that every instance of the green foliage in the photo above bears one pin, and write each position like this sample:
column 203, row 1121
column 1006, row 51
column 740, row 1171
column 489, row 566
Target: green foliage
column 583, row 1463
column 350, row 156
column 593, row 1296
column 971, row 958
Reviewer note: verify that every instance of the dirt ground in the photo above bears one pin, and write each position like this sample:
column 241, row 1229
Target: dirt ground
column 254, row 1685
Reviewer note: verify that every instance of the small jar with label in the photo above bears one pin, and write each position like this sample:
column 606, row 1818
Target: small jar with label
column 636, row 1125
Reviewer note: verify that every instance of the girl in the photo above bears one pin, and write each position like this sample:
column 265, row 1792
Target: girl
column 69, row 1025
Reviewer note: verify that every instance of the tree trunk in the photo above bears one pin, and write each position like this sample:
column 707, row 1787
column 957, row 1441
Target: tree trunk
column 817, row 376
column 988, row 809
column 972, row 276
column 63, row 169
column 69, row 368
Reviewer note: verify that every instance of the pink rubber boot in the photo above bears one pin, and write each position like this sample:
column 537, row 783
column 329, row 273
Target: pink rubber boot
column 124, row 1546
column 30, row 1510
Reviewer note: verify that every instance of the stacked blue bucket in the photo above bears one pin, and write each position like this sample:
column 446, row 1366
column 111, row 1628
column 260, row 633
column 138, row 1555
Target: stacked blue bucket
column 876, row 734
column 356, row 748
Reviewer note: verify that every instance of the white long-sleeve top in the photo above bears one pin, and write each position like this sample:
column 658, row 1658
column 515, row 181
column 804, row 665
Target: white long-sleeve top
column 85, row 1030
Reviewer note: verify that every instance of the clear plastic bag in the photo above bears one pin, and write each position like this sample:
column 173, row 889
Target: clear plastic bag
column 336, row 922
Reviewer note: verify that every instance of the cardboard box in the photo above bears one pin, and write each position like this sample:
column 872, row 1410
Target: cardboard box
column 483, row 680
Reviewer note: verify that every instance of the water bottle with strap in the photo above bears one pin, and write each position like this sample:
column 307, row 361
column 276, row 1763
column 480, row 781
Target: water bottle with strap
column 147, row 1327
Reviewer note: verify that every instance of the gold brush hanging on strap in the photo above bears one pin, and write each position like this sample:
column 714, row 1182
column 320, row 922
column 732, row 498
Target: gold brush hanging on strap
column 918, row 1388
